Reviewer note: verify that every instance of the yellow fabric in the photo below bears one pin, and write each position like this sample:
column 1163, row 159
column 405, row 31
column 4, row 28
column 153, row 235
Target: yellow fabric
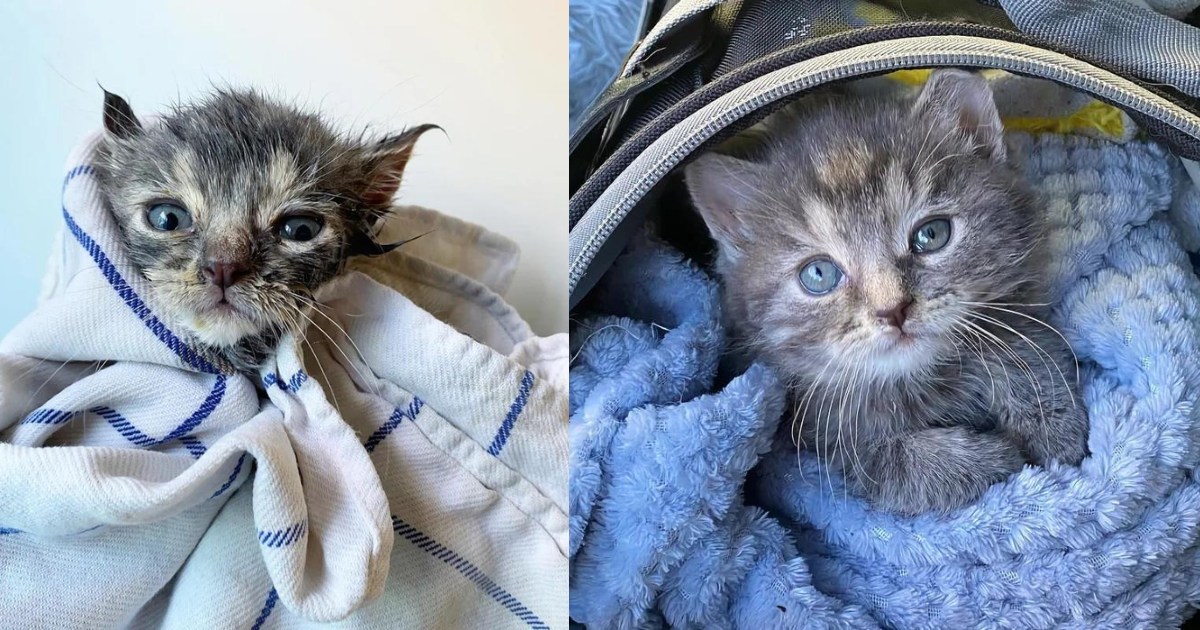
column 1096, row 116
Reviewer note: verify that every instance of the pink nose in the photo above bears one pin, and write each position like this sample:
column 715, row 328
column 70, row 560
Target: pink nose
column 896, row 315
column 224, row 274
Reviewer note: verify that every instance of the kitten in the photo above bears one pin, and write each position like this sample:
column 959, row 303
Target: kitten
column 236, row 208
column 885, row 259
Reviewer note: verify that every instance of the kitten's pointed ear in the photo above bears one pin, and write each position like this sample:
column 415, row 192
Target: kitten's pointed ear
column 722, row 187
column 118, row 117
column 965, row 99
column 385, row 162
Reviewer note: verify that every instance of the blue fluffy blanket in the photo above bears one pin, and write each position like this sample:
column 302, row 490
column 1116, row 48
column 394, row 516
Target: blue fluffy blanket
column 663, row 458
column 601, row 33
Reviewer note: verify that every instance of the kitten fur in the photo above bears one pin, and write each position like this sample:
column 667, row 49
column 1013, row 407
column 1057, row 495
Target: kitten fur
column 926, row 415
column 241, row 164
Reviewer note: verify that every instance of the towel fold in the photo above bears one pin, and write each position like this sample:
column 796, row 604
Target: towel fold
column 393, row 449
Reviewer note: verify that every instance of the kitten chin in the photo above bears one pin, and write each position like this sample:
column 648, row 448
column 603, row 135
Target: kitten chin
column 237, row 207
column 885, row 257
column 221, row 327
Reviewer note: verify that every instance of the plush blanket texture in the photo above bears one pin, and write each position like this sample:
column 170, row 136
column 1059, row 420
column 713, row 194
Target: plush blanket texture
column 601, row 33
column 688, row 510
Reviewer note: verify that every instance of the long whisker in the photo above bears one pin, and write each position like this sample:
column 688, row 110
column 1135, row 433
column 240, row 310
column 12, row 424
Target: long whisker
column 317, row 358
column 337, row 346
column 1025, row 368
column 839, row 445
column 828, row 444
column 982, row 361
column 802, row 412
column 1043, row 355
column 993, row 306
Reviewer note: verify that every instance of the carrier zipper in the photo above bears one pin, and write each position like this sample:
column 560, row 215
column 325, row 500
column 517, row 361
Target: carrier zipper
column 868, row 59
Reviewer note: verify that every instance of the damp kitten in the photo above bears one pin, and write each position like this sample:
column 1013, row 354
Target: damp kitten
column 885, row 259
column 236, row 208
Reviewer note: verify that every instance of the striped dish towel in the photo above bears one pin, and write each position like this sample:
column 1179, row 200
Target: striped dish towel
column 402, row 464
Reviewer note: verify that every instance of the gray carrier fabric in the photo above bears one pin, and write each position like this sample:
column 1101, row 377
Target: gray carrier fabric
column 602, row 219
column 1120, row 34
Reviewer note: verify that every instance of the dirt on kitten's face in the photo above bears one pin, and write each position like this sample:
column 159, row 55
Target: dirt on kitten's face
column 236, row 208
column 855, row 234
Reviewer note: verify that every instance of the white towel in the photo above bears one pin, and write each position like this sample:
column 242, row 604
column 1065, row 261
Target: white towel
column 398, row 472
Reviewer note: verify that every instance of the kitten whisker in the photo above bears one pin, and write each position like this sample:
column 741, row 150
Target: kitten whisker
column 982, row 361
column 338, row 347
column 1043, row 355
column 1007, row 303
column 803, row 407
column 996, row 306
column 313, row 351
column 829, row 444
column 841, row 425
column 865, row 389
column 1028, row 374
column 33, row 396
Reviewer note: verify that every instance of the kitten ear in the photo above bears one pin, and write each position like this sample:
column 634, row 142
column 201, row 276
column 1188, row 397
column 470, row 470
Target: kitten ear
column 722, row 187
column 118, row 117
column 385, row 162
column 966, row 99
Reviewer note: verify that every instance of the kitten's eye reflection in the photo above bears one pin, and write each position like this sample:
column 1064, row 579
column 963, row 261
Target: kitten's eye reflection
column 931, row 236
column 300, row 228
column 820, row 276
column 169, row 217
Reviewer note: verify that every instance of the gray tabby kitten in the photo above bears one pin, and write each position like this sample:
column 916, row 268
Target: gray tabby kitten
column 236, row 208
column 883, row 256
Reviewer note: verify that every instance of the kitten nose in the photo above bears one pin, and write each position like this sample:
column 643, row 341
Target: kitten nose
column 224, row 273
column 896, row 315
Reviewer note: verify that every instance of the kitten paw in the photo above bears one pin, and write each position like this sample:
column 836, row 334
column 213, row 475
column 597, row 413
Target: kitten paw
column 939, row 470
column 1063, row 439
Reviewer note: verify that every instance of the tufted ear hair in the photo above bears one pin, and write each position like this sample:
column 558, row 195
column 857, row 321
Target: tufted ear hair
column 119, row 120
column 722, row 187
column 965, row 99
column 385, row 162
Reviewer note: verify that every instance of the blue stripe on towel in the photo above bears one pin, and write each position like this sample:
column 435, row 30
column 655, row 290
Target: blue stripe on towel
column 237, row 468
column 268, row 606
column 12, row 530
column 193, row 446
column 514, row 412
column 472, row 572
column 283, row 537
column 205, row 410
column 394, row 421
column 135, row 435
column 131, row 298
column 48, row 416
column 291, row 385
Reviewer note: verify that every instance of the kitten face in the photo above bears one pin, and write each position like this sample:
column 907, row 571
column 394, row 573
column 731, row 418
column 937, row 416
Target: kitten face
column 908, row 211
column 236, row 208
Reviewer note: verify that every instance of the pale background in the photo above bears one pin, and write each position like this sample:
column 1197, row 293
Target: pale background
column 493, row 74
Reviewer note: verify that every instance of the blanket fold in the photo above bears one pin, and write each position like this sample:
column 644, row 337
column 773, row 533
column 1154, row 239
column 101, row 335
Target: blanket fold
column 671, row 526
column 393, row 448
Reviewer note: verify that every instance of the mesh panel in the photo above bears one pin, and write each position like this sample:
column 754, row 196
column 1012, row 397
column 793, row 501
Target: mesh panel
column 656, row 112
column 658, row 116
column 766, row 26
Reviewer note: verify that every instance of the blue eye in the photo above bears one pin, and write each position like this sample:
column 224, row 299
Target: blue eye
column 300, row 228
column 820, row 276
column 931, row 236
column 169, row 217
